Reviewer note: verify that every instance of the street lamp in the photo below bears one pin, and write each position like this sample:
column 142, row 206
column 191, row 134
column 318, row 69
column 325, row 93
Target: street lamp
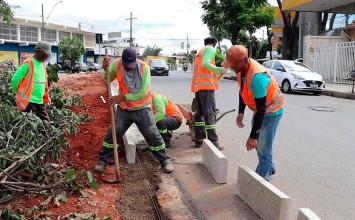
column 45, row 21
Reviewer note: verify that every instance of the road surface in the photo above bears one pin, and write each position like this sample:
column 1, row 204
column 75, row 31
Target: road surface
column 314, row 151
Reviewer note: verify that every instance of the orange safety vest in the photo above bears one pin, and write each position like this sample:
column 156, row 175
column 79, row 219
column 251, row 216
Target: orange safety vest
column 274, row 98
column 123, row 90
column 25, row 88
column 203, row 79
column 171, row 109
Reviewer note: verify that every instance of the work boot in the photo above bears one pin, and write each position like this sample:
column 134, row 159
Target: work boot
column 219, row 147
column 168, row 167
column 198, row 143
column 100, row 166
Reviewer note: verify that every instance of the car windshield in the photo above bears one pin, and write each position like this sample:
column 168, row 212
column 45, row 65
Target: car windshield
column 297, row 67
column 158, row 62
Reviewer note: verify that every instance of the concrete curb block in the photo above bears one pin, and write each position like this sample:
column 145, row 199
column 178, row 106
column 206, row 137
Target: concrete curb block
column 263, row 197
column 306, row 214
column 344, row 95
column 130, row 146
column 215, row 162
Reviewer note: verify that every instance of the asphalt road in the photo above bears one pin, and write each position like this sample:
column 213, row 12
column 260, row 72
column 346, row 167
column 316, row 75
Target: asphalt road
column 314, row 151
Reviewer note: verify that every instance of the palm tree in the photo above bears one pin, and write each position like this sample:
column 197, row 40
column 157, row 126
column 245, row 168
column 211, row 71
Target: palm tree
column 152, row 51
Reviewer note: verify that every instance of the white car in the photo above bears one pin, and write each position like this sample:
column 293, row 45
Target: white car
column 295, row 76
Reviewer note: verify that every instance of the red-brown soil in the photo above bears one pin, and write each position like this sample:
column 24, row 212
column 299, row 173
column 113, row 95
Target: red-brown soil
column 83, row 151
column 131, row 198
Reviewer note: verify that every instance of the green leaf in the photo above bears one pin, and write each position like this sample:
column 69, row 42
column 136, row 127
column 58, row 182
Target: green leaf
column 70, row 174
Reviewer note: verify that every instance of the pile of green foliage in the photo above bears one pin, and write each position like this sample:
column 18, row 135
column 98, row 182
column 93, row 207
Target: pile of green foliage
column 29, row 147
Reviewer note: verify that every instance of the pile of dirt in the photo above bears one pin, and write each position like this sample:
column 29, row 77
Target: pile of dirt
column 130, row 198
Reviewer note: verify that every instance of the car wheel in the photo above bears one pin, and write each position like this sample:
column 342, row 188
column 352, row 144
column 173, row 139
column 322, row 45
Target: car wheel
column 286, row 86
column 167, row 74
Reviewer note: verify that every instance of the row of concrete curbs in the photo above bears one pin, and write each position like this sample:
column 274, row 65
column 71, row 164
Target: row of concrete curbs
column 251, row 188
column 265, row 199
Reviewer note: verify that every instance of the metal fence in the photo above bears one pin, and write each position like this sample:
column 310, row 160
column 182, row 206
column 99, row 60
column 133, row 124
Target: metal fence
column 335, row 61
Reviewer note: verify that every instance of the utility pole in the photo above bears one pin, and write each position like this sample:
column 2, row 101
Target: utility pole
column 42, row 18
column 131, row 18
column 187, row 48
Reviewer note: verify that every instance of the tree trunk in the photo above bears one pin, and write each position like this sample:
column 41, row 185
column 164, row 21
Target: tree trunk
column 235, row 35
column 331, row 22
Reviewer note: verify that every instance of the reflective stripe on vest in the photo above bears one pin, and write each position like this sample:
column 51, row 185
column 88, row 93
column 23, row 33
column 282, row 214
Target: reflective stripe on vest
column 123, row 90
column 25, row 88
column 274, row 98
column 202, row 78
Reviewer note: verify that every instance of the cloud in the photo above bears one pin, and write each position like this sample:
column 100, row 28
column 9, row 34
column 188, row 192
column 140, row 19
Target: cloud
column 158, row 23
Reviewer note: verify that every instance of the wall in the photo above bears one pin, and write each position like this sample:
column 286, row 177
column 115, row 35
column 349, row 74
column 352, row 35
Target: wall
column 309, row 42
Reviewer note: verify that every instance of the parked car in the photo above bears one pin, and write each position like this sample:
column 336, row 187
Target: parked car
column 80, row 67
column 295, row 76
column 93, row 66
column 159, row 67
column 66, row 66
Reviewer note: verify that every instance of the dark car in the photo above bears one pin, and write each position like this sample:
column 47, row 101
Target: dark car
column 159, row 68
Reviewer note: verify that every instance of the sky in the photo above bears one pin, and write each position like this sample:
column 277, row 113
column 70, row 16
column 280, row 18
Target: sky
column 165, row 23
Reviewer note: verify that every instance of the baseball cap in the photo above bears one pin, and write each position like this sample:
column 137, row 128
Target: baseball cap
column 129, row 58
column 44, row 46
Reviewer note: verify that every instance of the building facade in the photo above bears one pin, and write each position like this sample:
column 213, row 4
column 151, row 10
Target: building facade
column 18, row 39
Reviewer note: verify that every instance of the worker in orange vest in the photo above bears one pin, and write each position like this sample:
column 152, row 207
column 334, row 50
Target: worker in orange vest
column 204, row 84
column 261, row 93
column 134, row 106
column 30, row 83
column 167, row 116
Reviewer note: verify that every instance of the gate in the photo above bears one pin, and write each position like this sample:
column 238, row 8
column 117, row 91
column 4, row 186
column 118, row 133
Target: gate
column 334, row 61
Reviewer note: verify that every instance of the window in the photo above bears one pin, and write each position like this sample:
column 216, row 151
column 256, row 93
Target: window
column 49, row 35
column 8, row 31
column 28, row 33
column 80, row 36
column 268, row 64
column 63, row 34
column 298, row 67
column 278, row 66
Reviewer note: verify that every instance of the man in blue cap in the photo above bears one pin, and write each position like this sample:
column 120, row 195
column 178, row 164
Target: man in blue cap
column 133, row 100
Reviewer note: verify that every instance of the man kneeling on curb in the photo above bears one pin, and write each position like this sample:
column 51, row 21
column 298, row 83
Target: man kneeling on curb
column 167, row 116
column 133, row 102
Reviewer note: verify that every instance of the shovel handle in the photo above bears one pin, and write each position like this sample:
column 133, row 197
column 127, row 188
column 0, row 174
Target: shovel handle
column 113, row 123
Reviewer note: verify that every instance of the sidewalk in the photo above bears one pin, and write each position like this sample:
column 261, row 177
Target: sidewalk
column 207, row 199
column 339, row 90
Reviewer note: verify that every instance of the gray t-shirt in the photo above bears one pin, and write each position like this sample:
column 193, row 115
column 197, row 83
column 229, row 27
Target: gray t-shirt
column 133, row 79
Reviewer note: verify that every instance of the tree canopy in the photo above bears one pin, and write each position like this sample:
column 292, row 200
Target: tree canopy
column 152, row 51
column 6, row 13
column 71, row 49
column 227, row 18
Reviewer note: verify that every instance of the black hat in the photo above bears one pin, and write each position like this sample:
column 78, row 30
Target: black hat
column 129, row 57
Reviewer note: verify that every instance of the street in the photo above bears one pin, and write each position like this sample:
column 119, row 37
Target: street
column 314, row 150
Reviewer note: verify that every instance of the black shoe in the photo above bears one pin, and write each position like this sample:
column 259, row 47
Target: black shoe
column 100, row 166
column 198, row 144
column 273, row 171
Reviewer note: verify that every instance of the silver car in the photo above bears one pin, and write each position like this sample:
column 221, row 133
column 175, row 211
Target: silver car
column 295, row 76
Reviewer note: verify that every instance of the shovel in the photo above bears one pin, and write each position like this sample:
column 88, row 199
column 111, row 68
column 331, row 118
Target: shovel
column 112, row 176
